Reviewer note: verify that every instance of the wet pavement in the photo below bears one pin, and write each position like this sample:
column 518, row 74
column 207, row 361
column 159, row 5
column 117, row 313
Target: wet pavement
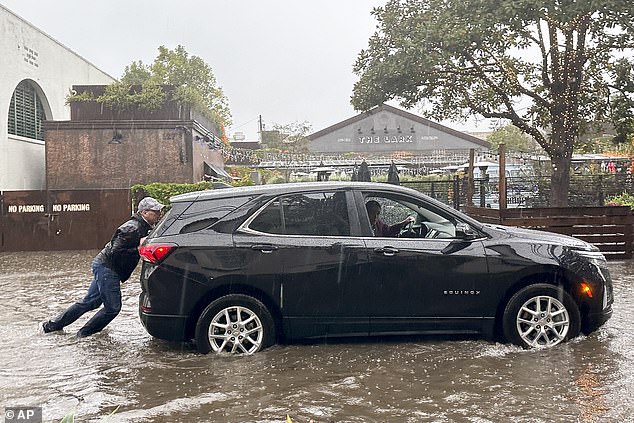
column 590, row 379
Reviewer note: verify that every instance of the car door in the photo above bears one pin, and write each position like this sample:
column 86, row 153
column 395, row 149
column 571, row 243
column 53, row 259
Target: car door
column 305, row 239
column 423, row 284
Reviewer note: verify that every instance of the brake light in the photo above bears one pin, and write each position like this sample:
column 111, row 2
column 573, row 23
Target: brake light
column 156, row 253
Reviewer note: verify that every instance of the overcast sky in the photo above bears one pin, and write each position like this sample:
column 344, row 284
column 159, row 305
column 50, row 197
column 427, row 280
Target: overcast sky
column 287, row 60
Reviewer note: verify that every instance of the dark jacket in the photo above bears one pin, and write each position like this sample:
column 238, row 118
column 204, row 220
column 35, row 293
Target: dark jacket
column 383, row 229
column 121, row 254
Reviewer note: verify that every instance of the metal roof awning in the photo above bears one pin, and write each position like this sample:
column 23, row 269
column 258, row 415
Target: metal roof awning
column 216, row 171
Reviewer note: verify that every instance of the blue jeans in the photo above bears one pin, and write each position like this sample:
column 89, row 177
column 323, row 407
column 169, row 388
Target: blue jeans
column 105, row 289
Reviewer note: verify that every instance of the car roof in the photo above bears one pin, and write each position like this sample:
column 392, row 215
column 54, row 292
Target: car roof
column 279, row 189
column 275, row 189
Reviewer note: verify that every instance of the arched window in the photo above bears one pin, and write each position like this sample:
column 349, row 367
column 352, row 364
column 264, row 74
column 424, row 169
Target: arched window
column 26, row 112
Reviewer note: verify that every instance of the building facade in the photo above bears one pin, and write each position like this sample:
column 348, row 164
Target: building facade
column 386, row 129
column 99, row 148
column 36, row 75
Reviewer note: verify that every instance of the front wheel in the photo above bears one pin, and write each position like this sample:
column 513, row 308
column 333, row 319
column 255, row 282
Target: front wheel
column 235, row 324
column 541, row 315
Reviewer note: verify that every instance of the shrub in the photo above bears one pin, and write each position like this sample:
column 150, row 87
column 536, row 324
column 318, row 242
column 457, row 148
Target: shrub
column 624, row 199
column 163, row 191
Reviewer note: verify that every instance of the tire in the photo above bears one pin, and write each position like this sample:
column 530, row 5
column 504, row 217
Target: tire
column 235, row 324
column 541, row 316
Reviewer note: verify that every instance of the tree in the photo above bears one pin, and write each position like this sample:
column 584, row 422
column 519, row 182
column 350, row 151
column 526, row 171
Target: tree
column 136, row 73
column 548, row 67
column 193, row 81
column 515, row 140
column 622, row 102
column 290, row 137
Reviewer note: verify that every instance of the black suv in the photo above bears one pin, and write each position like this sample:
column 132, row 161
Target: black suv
column 239, row 269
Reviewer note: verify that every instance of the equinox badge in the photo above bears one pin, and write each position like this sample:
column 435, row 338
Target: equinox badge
column 461, row 292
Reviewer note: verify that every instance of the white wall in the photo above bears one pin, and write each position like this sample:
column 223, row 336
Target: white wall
column 28, row 53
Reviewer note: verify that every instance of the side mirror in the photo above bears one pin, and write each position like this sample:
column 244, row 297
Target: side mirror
column 464, row 231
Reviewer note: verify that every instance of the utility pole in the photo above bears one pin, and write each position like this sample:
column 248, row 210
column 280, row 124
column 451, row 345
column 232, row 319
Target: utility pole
column 260, row 127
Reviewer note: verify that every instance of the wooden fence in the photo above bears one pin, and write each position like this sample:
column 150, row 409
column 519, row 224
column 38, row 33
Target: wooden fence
column 61, row 219
column 611, row 229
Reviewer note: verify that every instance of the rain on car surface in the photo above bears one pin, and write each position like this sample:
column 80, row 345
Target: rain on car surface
column 240, row 269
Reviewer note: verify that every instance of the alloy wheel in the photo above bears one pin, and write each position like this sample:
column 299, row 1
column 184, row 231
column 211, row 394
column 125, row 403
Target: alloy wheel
column 236, row 330
column 543, row 321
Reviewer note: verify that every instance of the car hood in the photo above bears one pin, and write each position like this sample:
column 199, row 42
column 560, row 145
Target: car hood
column 543, row 237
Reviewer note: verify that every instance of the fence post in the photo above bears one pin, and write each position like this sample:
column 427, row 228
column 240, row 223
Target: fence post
column 470, row 181
column 600, row 191
column 483, row 183
column 502, row 176
column 456, row 192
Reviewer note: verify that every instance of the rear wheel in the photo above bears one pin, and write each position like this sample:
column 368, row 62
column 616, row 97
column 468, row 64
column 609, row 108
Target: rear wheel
column 235, row 324
column 541, row 315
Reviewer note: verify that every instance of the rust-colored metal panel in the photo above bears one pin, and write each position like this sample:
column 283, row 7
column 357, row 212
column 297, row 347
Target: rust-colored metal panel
column 61, row 220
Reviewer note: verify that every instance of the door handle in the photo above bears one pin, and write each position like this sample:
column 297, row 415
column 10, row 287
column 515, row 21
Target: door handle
column 386, row 251
column 266, row 249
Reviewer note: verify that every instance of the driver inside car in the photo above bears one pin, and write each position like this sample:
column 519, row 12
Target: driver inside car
column 381, row 228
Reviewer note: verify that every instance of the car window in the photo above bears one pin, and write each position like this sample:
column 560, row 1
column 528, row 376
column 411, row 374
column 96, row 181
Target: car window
column 204, row 214
column 320, row 214
column 269, row 220
column 428, row 222
column 392, row 211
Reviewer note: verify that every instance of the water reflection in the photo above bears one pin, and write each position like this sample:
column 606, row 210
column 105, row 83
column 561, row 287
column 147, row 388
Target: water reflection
column 590, row 379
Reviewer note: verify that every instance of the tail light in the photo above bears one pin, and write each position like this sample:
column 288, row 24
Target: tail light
column 156, row 253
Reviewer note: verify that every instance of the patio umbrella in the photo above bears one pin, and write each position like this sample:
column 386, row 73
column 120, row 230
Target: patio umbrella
column 364, row 172
column 321, row 175
column 392, row 175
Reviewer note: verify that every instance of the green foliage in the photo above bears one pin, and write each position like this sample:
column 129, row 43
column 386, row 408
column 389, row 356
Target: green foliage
column 142, row 85
column 515, row 140
column 163, row 191
column 622, row 102
column 290, row 137
column 549, row 68
column 119, row 96
column 276, row 179
column 245, row 181
column 624, row 199
column 595, row 145
column 83, row 96
column 194, row 81
column 70, row 417
column 136, row 73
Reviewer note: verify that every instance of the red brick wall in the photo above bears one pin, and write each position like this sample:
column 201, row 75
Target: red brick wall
column 79, row 155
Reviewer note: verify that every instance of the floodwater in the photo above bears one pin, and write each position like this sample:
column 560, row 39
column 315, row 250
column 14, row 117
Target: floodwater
column 590, row 379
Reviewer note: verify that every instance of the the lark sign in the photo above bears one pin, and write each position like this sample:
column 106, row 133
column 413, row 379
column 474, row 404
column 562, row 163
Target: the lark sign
column 388, row 129
column 395, row 139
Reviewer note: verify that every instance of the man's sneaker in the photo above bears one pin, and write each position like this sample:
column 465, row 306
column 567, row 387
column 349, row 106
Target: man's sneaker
column 48, row 326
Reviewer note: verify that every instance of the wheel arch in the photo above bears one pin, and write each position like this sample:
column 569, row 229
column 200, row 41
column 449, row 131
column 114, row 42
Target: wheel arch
column 555, row 276
column 234, row 288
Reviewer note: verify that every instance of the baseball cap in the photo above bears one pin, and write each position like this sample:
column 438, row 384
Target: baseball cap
column 149, row 203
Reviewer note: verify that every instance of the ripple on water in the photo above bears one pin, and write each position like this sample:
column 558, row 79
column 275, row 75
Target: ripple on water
column 422, row 379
